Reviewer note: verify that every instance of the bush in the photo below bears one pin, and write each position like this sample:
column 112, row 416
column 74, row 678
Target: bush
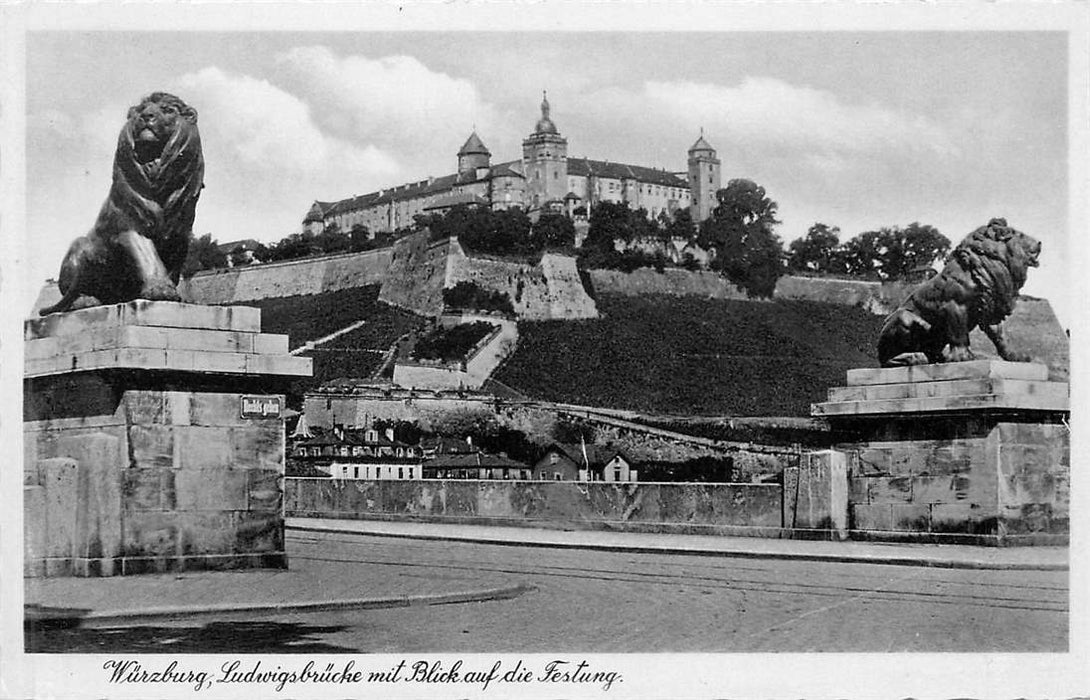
column 468, row 295
column 451, row 344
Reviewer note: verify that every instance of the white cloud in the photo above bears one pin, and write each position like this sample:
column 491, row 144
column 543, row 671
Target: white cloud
column 392, row 102
column 774, row 112
column 253, row 124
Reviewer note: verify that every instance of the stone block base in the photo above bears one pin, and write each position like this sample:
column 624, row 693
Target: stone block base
column 937, row 460
column 155, row 459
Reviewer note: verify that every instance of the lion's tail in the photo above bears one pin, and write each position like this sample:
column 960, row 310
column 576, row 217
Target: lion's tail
column 66, row 301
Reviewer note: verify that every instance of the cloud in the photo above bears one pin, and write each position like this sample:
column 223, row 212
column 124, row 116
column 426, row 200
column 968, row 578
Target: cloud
column 254, row 124
column 393, row 102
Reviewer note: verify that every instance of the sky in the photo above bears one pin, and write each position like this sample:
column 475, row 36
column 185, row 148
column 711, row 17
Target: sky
column 856, row 130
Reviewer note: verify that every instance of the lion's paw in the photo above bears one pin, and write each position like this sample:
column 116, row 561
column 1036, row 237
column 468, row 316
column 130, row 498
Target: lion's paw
column 1012, row 356
column 960, row 354
column 159, row 290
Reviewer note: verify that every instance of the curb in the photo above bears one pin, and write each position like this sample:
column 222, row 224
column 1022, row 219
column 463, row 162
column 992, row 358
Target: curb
column 929, row 562
column 33, row 615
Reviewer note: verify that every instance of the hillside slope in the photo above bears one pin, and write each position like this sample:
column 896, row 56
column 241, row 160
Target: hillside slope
column 693, row 356
column 357, row 353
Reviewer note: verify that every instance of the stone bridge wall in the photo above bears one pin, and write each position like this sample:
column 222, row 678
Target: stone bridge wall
column 728, row 509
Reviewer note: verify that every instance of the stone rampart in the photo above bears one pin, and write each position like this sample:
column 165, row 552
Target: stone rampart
column 419, row 271
column 726, row 509
column 417, row 274
column 877, row 297
column 671, row 281
column 287, row 278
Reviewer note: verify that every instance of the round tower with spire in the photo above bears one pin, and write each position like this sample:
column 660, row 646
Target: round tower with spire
column 545, row 162
column 473, row 155
column 704, row 179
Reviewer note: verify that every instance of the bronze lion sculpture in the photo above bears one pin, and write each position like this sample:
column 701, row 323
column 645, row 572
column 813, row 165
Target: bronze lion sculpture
column 977, row 287
column 139, row 242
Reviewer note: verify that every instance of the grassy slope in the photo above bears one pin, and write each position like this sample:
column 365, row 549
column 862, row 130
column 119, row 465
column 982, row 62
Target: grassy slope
column 694, row 356
column 354, row 354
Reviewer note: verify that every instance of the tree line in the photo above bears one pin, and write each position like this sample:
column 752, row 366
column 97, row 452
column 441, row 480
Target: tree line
column 740, row 236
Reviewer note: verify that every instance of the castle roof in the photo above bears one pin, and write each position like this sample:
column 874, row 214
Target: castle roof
column 701, row 144
column 318, row 210
column 621, row 171
column 509, row 169
column 474, row 146
column 545, row 124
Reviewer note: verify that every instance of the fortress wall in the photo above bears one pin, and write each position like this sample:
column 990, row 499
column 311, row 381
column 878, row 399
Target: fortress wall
column 672, row 281
column 288, row 278
column 565, row 295
column 877, row 297
column 418, row 272
column 416, row 275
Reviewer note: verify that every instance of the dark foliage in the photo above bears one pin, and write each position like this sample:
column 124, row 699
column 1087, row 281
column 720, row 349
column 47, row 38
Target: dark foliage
column 551, row 232
column 692, row 356
column 451, row 344
column 894, row 253
column 818, row 251
column 469, row 295
column 405, row 431
column 482, row 230
column 302, row 468
column 747, row 250
column 698, row 470
column 203, row 254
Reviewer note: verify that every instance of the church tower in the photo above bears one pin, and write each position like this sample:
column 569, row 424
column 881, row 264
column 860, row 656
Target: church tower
column 545, row 162
column 703, row 179
column 473, row 155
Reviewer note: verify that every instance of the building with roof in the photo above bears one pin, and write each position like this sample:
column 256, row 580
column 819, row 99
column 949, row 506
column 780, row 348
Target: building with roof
column 450, row 458
column 544, row 179
column 581, row 462
column 358, row 454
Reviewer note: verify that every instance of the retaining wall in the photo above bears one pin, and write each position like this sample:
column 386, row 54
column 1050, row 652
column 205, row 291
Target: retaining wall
column 728, row 509
column 671, row 281
column 288, row 278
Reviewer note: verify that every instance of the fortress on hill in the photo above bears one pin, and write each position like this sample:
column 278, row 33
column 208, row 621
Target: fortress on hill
column 544, row 180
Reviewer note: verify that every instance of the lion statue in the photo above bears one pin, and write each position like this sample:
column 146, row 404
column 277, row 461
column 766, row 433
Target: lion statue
column 978, row 287
column 139, row 241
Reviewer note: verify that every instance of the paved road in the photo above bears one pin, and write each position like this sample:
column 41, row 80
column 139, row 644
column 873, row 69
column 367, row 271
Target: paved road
column 605, row 602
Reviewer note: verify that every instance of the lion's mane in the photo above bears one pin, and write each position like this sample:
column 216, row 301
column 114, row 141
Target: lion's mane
column 138, row 244
column 978, row 286
column 157, row 199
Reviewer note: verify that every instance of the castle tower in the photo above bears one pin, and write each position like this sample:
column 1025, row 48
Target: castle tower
column 704, row 178
column 545, row 162
column 473, row 155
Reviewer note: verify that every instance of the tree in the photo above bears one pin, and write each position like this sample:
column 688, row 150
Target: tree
column 893, row 252
column 609, row 221
column 360, row 238
column 747, row 250
column 552, row 231
column 203, row 254
column 681, row 226
column 332, row 240
column 818, row 251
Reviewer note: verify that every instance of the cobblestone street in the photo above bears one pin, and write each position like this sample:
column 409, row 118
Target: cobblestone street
column 603, row 602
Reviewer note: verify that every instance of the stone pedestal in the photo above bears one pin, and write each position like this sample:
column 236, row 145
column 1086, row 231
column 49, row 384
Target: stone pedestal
column 154, row 440
column 960, row 452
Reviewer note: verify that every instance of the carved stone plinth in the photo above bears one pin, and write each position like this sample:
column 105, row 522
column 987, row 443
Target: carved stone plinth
column 154, row 440
column 972, row 451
